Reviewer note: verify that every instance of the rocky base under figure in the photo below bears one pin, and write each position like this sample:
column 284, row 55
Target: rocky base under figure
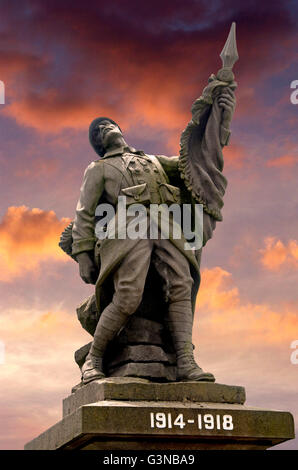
column 138, row 351
column 143, row 348
column 136, row 414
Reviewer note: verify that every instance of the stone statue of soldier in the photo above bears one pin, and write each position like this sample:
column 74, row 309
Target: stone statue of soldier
column 122, row 170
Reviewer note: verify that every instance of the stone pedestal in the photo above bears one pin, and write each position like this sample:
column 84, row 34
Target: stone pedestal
column 135, row 414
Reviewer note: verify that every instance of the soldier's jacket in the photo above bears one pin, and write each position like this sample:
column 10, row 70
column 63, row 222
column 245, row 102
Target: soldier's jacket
column 139, row 177
column 142, row 179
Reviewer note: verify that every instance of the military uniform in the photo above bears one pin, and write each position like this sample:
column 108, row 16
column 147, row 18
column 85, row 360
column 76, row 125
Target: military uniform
column 141, row 179
column 149, row 179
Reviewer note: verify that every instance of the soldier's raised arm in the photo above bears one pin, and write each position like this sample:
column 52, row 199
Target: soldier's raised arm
column 201, row 159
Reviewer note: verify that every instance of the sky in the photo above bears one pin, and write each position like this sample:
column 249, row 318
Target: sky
column 63, row 63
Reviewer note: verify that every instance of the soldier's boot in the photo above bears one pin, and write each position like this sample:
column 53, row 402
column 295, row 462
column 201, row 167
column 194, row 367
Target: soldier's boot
column 179, row 322
column 109, row 324
column 92, row 368
column 188, row 369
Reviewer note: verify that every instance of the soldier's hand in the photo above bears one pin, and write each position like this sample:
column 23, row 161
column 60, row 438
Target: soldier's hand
column 88, row 269
column 227, row 101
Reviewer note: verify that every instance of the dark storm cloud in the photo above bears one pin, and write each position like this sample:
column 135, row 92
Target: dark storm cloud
column 68, row 60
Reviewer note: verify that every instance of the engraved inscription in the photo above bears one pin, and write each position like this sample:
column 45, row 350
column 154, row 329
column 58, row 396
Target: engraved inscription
column 204, row 421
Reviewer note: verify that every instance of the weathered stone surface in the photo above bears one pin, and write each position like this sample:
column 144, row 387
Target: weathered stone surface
column 131, row 414
column 141, row 330
column 151, row 370
column 187, row 426
column 140, row 341
column 88, row 314
column 80, row 354
column 141, row 353
column 143, row 360
column 127, row 388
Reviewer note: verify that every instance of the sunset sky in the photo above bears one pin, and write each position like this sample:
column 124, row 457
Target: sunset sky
column 66, row 62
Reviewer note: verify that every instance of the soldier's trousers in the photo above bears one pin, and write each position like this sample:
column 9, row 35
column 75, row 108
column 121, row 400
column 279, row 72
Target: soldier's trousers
column 129, row 282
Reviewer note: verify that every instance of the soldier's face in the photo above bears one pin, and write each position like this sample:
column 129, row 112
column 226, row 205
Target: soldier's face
column 107, row 132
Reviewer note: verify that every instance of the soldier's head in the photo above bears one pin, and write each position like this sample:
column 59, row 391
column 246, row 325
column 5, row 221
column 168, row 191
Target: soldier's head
column 104, row 133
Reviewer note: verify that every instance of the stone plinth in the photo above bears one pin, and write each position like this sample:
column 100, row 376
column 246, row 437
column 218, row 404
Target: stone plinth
column 135, row 414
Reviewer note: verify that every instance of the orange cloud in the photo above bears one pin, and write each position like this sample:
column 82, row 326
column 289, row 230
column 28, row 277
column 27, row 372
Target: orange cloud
column 240, row 342
column 212, row 293
column 139, row 101
column 38, row 168
column 234, row 155
column 242, row 324
column 150, row 73
column 246, row 343
column 288, row 160
column 276, row 254
column 38, row 370
column 27, row 238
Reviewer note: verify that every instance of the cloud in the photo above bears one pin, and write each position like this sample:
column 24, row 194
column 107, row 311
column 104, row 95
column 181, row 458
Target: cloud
column 238, row 326
column 39, row 370
column 276, row 254
column 247, row 343
column 240, row 342
column 38, row 168
column 27, row 238
column 132, row 63
column 257, row 325
column 287, row 161
column 234, row 155
column 142, row 65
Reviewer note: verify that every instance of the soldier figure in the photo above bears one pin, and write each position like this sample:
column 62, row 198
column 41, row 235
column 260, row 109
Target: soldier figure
column 121, row 170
